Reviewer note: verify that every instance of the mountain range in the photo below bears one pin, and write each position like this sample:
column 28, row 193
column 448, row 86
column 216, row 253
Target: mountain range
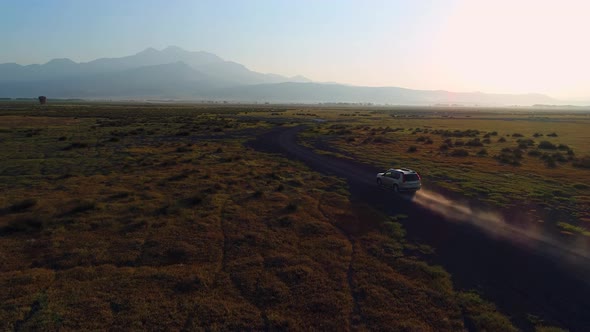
column 177, row 74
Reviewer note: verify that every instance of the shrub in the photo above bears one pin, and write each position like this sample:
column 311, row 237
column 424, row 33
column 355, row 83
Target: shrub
column 191, row 200
column 501, row 140
column 412, row 148
column 526, row 141
column 79, row 207
column 23, row 225
column 291, row 207
column 509, row 156
column 23, row 205
column 517, row 135
column 486, row 141
column 549, row 162
column 583, row 162
column 474, row 142
column 537, row 135
column 443, row 147
column 547, row 145
column 75, row 145
column 558, row 156
column 581, row 186
column 459, row 143
column 482, row 152
column 563, row 147
column 460, row 153
column 534, row 153
column 553, row 134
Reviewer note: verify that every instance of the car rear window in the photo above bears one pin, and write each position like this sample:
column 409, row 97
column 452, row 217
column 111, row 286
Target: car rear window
column 411, row 177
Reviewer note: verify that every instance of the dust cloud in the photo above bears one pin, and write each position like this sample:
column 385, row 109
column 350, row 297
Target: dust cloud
column 533, row 235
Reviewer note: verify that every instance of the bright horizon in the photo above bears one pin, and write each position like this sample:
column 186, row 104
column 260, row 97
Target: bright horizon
column 456, row 45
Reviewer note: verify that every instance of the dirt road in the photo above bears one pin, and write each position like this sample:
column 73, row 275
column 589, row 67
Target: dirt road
column 522, row 276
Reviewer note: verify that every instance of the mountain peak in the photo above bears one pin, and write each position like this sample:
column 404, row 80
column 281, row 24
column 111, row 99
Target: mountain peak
column 173, row 48
column 61, row 61
column 149, row 50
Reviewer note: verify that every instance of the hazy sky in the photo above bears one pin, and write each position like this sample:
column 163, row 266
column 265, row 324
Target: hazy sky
column 459, row 45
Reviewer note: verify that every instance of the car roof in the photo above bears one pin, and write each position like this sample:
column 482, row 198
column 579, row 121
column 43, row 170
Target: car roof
column 403, row 170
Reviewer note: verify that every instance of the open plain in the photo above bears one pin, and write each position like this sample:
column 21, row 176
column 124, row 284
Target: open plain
column 267, row 217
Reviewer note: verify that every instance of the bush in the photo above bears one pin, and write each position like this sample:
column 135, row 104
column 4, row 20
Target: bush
column 552, row 134
column 23, row 225
column 583, row 162
column 474, row 142
column 549, row 162
column 547, row 145
column 537, row 135
column 517, row 135
column 534, row 153
column 460, row 153
column 75, row 145
column 291, row 207
column 79, row 207
column 23, row 205
column 501, row 140
column 443, row 147
column 482, row 152
column 412, row 148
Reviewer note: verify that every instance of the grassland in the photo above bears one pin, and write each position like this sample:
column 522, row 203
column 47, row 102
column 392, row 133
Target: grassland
column 159, row 217
column 530, row 164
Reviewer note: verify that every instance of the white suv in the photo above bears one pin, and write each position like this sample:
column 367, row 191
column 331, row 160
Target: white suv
column 400, row 179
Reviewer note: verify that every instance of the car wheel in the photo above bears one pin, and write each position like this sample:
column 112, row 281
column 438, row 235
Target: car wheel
column 379, row 183
column 395, row 188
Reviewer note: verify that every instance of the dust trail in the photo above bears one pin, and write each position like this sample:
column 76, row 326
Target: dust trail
column 493, row 223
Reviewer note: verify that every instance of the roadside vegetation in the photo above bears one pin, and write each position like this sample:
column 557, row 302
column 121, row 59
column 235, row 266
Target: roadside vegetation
column 531, row 165
column 120, row 216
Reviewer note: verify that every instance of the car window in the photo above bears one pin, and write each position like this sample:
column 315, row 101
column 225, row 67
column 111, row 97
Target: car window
column 388, row 174
column 412, row 177
column 396, row 175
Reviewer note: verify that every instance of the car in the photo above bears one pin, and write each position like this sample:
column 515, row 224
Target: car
column 400, row 179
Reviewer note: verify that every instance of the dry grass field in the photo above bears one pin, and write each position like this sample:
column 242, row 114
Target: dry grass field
column 158, row 217
column 535, row 164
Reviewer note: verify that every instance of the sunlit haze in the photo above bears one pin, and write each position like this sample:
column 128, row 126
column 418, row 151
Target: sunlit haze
column 490, row 46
